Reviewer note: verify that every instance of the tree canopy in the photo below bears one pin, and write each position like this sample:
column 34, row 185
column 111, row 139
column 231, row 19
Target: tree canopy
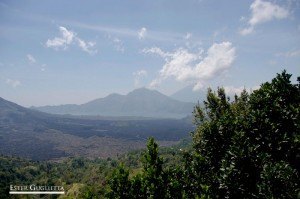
column 244, row 148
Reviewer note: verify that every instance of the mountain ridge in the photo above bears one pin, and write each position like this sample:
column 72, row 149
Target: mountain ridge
column 139, row 102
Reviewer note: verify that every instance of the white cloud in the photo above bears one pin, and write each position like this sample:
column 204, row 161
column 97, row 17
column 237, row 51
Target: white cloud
column 86, row 46
column 160, row 36
column 13, row 83
column 142, row 33
column 231, row 90
column 262, row 12
column 187, row 66
column 247, row 31
column 156, row 50
column 67, row 38
column 31, row 59
column 138, row 75
column 63, row 41
column 119, row 45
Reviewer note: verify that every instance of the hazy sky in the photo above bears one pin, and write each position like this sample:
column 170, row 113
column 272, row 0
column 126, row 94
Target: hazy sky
column 57, row 52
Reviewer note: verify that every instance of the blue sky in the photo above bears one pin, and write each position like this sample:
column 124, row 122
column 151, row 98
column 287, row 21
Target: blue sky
column 61, row 52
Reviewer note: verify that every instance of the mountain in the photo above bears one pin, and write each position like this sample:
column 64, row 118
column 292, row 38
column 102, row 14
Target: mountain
column 188, row 95
column 41, row 136
column 19, row 135
column 139, row 102
column 13, row 114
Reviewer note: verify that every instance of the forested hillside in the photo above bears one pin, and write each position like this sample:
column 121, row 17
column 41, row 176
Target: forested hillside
column 81, row 177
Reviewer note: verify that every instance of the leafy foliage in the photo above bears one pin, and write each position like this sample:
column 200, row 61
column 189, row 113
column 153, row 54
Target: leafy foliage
column 247, row 148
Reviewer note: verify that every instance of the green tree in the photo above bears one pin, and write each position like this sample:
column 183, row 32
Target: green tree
column 153, row 171
column 249, row 148
column 120, row 184
column 245, row 148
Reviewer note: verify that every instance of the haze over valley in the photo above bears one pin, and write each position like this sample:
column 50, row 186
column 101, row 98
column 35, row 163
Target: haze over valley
column 41, row 136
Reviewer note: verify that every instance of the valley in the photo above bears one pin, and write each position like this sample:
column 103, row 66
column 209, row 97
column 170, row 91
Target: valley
column 36, row 135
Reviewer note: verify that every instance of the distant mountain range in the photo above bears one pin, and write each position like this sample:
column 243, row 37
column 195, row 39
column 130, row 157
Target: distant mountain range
column 41, row 136
column 139, row 102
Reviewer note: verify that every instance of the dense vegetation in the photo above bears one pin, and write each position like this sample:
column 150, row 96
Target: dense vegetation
column 80, row 177
column 75, row 174
column 245, row 148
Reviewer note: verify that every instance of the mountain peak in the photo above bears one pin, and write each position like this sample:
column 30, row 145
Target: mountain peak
column 139, row 102
column 141, row 89
column 144, row 91
column 113, row 95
